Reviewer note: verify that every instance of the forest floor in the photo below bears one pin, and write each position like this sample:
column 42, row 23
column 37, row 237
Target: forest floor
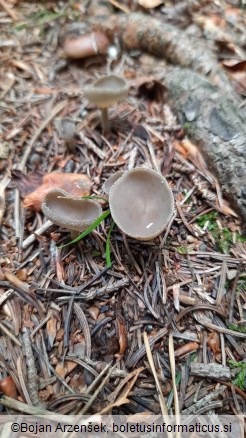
column 67, row 318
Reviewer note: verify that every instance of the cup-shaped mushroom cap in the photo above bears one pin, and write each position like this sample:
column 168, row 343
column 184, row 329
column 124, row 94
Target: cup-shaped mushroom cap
column 141, row 203
column 111, row 180
column 107, row 91
column 70, row 212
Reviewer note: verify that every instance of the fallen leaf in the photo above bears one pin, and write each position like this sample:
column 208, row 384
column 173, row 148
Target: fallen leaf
column 27, row 183
column 122, row 336
column 35, row 186
column 187, row 348
column 94, row 312
column 51, row 328
column 235, row 64
column 63, row 369
column 119, row 398
column 213, row 342
column 7, row 386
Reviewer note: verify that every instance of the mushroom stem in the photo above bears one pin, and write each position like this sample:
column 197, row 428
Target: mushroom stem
column 105, row 121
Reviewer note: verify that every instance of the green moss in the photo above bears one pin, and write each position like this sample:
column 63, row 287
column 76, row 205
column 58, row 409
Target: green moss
column 187, row 126
column 181, row 250
column 222, row 236
column 237, row 328
column 241, row 376
column 211, row 218
column 240, row 238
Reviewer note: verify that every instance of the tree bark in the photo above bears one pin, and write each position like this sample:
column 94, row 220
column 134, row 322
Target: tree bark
column 211, row 370
column 214, row 124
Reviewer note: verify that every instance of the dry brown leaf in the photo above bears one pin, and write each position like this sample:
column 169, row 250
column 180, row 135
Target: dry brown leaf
column 187, row 348
column 235, row 64
column 35, row 186
column 122, row 337
column 7, row 386
column 51, row 328
column 21, row 274
column 63, row 369
column 126, row 385
column 213, row 342
column 94, row 312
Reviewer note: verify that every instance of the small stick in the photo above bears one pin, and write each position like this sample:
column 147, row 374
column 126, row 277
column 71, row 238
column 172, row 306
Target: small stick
column 175, row 392
column 3, row 185
column 157, row 383
column 8, row 333
column 90, row 145
column 233, row 292
column 30, row 239
column 58, row 108
column 101, row 386
column 8, row 10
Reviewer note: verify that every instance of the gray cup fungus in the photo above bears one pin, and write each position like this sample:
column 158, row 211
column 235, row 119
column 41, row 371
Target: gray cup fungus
column 141, row 203
column 73, row 213
column 105, row 92
column 111, row 180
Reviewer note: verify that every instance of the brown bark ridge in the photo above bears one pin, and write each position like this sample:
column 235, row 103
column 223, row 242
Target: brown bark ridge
column 211, row 370
column 166, row 41
column 212, row 121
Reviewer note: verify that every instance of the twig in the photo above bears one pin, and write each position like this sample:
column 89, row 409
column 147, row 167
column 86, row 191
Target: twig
column 3, row 184
column 31, row 410
column 204, row 401
column 221, row 287
column 94, row 396
column 175, row 392
column 32, row 376
column 8, row 333
column 233, row 292
column 157, row 383
column 90, row 145
column 152, row 156
column 63, row 381
column 97, row 379
column 30, row 239
column 7, row 9
column 58, row 108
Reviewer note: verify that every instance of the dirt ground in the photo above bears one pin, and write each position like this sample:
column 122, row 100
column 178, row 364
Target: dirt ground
column 156, row 318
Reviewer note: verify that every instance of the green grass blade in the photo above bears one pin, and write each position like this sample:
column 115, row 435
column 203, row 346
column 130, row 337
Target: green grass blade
column 95, row 197
column 108, row 259
column 89, row 229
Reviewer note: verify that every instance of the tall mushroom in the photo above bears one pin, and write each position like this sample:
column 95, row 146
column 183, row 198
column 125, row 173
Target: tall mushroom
column 105, row 92
column 73, row 213
column 141, row 203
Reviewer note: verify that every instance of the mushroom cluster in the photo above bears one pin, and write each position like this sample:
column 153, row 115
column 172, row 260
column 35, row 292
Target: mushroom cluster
column 140, row 201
